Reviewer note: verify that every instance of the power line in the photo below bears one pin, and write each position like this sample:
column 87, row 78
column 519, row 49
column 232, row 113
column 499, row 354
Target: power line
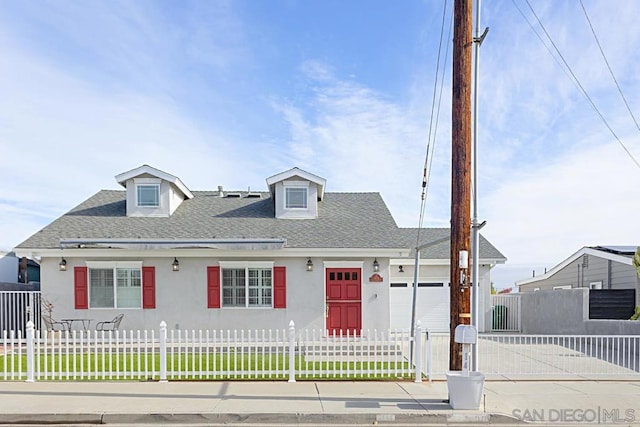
column 609, row 66
column 433, row 125
column 582, row 89
column 543, row 42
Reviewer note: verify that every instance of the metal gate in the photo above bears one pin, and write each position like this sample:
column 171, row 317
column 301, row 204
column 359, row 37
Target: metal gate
column 17, row 308
column 505, row 313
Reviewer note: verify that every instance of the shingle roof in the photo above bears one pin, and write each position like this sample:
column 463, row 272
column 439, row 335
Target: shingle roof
column 440, row 247
column 345, row 220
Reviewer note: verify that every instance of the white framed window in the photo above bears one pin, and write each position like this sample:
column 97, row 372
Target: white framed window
column 595, row 285
column 115, row 284
column 148, row 195
column 561, row 287
column 247, row 284
column 296, row 197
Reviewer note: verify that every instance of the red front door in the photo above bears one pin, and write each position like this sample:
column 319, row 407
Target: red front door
column 344, row 306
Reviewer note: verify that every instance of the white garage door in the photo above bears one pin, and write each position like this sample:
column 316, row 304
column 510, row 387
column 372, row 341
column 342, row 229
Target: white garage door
column 432, row 305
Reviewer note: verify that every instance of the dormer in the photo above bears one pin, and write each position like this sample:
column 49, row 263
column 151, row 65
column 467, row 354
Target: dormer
column 152, row 192
column 296, row 194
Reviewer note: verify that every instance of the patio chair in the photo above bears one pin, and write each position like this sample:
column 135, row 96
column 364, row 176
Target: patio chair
column 53, row 325
column 110, row 325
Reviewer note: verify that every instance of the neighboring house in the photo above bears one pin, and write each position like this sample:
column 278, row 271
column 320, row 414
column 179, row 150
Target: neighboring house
column 226, row 259
column 29, row 271
column 19, row 301
column 593, row 267
column 14, row 270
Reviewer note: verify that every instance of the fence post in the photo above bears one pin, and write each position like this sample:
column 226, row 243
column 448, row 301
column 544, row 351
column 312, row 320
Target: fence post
column 292, row 338
column 418, row 346
column 30, row 307
column 30, row 355
column 163, row 352
column 428, row 355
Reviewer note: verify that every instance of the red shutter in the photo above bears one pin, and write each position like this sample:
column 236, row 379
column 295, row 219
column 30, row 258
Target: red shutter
column 279, row 287
column 148, row 287
column 213, row 287
column 80, row 294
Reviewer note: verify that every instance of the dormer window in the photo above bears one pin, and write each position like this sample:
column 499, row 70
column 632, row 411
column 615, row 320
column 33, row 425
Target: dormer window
column 148, row 195
column 152, row 192
column 296, row 197
column 296, row 194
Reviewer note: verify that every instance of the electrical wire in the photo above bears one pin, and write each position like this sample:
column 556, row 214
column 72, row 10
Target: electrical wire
column 533, row 28
column 582, row 89
column 593, row 31
column 428, row 161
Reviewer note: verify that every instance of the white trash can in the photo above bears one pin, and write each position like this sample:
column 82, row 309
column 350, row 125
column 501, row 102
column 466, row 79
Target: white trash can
column 465, row 391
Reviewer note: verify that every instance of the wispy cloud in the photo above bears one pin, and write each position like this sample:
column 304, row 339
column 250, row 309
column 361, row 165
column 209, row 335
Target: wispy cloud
column 359, row 137
column 581, row 199
column 229, row 93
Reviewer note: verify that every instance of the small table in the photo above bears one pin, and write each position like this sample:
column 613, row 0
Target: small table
column 85, row 323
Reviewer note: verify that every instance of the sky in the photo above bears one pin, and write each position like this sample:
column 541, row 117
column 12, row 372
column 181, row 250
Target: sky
column 231, row 92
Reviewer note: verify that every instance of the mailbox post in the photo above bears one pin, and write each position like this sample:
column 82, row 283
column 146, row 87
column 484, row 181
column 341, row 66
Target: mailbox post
column 466, row 335
column 465, row 386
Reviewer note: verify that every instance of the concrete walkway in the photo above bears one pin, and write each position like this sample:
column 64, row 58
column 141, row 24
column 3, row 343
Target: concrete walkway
column 315, row 402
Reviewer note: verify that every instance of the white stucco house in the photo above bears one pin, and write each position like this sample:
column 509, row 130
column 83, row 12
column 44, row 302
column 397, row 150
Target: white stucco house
column 239, row 260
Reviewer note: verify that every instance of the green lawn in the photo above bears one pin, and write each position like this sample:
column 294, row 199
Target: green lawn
column 197, row 366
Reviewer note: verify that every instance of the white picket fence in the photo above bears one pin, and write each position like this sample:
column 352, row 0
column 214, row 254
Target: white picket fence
column 304, row 354
column 217, row 355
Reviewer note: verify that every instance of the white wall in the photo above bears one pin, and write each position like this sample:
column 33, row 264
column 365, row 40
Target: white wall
column 181, row 297
column 170, row 198
column 312, row 202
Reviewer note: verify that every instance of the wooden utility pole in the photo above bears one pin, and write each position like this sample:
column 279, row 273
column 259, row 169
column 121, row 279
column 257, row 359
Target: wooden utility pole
column 460, row 174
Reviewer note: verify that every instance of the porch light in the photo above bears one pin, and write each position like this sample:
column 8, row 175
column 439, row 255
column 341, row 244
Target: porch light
column 309, row 265
column 376, row 265
column 400, row 269
column 175, row 265
column 63, row 265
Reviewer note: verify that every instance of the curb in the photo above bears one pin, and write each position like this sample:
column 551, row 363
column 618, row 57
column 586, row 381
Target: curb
column 261, row 419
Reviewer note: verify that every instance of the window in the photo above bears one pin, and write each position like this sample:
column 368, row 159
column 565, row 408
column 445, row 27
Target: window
column 430, row 285
column 148, row 195
column 595, row 285
column 115, row 288
column 296, row 198
column 247, row 287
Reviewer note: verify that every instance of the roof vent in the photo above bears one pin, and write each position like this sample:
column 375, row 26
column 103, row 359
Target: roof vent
column 220, row 191
column 233, row 195
column 253, row 195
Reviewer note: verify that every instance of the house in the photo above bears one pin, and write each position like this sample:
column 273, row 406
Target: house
column 15, row 271
column 593, row 267
column 19, row 301
column 158, row 251
column 432, row 294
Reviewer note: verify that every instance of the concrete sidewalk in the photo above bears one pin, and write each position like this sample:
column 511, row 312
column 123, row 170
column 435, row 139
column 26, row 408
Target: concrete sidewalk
column 314, row 402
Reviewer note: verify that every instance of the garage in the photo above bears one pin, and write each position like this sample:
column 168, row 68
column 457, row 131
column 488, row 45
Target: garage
column 432, row 304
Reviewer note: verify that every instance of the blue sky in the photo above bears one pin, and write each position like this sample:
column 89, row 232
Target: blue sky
column 231, row 92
